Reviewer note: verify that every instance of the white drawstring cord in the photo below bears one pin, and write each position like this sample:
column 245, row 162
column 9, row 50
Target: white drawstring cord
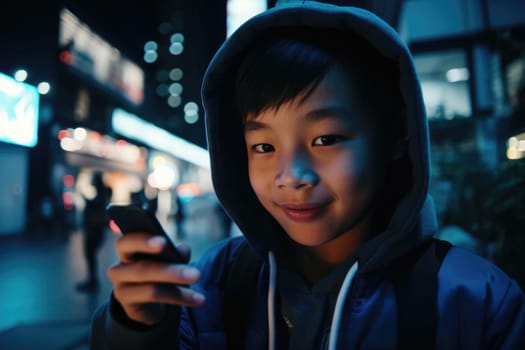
column 271, row 301
column 338, row 310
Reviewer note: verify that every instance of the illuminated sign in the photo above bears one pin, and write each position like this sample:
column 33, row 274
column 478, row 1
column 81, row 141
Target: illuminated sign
column 516, row 146
column 82, row 140
column 129, row 125
column 239, row 11
column 88, row 53
column 19, row 105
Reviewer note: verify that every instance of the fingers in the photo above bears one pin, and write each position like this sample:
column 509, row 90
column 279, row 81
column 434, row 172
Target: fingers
column 155, row 282
column 138, row 283
column 158, row 293
column 138, row 242
column 145, row 271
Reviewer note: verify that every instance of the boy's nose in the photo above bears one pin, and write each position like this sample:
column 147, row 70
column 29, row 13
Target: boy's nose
column 296, row 173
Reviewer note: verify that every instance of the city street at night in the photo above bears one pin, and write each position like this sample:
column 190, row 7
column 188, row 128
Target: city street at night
column 41, row 307
column 371, row 153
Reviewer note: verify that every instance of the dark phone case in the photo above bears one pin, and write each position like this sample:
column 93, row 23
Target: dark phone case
column 132, row 218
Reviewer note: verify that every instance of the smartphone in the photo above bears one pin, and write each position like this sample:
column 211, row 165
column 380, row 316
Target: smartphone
column 133, row 218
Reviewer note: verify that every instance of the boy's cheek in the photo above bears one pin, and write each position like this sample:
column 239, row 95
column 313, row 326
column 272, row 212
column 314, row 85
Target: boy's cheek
column 257, row 187
column 260, row 172
column 261, row 189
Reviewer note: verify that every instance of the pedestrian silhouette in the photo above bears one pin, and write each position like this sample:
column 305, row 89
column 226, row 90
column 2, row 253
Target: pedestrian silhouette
column 94, row 223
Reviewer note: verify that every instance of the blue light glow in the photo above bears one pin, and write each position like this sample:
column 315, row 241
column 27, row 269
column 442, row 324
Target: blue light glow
column 19, row 107
column 129, row 125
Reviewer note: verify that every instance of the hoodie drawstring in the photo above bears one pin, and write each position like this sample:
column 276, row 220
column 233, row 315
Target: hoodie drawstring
column 339, row 305
column 271, row 301
column 338, row 310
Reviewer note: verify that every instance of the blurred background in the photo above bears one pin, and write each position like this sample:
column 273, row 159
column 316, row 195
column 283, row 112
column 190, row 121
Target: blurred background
column 112, row 88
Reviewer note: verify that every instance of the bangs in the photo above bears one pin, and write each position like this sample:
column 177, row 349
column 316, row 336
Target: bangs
column 272, row 76
column 282, row 65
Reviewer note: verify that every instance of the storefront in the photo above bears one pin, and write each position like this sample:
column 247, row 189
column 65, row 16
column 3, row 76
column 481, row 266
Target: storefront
column 146, row 165
column 19, row 112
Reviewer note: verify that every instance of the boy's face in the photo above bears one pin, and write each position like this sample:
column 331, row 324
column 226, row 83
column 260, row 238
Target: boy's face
column 313, row 163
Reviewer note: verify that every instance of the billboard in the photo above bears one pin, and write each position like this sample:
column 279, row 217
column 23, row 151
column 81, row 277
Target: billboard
column 131, row 126
column 87, row 53
column 19, row 107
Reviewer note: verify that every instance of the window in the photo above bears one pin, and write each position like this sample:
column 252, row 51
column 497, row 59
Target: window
column 444, row 79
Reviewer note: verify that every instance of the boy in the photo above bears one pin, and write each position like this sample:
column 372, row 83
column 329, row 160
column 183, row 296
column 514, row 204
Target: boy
column 319, row 152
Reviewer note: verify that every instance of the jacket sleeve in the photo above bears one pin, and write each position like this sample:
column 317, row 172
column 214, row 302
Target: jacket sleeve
column 183, row 328
column 507, row 327
column 480, row 307
column 111, row 329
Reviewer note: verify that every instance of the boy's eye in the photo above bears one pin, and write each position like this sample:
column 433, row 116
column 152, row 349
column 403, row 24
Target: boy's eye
column 263, row 148
column 327, row 140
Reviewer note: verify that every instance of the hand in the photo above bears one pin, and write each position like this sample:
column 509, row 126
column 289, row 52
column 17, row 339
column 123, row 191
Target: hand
column 144, row 287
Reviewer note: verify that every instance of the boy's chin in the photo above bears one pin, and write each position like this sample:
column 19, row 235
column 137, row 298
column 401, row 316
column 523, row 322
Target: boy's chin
column 310, row 239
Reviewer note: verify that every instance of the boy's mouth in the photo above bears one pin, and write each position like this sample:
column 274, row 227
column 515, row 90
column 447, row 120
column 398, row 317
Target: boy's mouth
column 302, row 212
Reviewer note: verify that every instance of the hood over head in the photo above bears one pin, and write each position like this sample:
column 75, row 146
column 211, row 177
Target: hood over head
column 413, row 218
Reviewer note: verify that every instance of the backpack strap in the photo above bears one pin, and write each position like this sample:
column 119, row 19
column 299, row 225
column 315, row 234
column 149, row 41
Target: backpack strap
column 416, row 283
column 239, row 293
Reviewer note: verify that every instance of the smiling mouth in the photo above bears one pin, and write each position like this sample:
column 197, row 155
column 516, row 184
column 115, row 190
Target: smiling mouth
column 302, row 212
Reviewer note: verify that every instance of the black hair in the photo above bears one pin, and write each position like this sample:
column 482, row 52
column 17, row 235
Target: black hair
column 291, row 62
column 282, row 65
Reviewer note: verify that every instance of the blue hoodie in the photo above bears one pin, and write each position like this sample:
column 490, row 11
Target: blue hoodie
column 479, row 306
